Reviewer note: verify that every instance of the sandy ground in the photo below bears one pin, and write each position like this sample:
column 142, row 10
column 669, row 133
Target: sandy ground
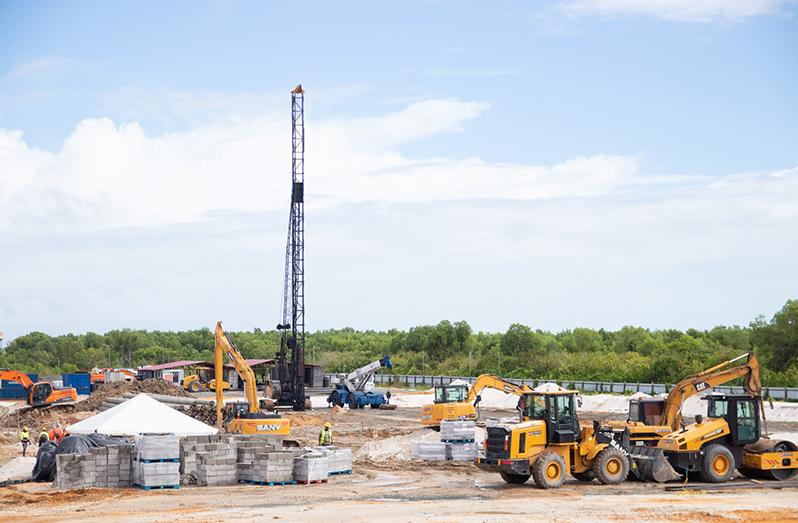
column 385, row 486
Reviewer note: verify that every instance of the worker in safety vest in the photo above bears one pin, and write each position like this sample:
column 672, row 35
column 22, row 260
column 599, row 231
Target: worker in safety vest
column 43, row 436
column 24, row 437
column 325, row 438
column 57, row 434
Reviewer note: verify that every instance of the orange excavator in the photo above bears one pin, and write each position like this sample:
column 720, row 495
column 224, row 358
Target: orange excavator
column 42, row 393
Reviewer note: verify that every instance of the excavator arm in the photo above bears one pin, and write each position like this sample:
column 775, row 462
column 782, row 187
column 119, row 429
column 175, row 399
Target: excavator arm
column 224, row 345
column 15, row 375
column 692, row 385
column 494, row 382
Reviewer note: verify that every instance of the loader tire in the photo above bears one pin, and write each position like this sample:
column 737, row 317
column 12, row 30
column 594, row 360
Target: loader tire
column 194, row 386
column 611, row 466
column 717, row 465
column 583, row 476
column 548, row 471
column 514, row 479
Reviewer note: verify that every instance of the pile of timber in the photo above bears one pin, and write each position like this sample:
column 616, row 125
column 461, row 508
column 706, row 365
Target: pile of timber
column 199, row 409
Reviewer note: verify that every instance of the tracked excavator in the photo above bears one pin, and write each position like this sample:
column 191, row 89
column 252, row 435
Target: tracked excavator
column 548, row 443
column 241, row 417
column 42, row 393
column 729, row 438
column 455, row 401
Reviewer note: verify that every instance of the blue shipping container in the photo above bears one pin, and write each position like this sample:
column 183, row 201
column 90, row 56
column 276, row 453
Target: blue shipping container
column 77, row 380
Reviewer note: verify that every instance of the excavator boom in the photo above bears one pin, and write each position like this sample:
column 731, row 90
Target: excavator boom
column 224, row 345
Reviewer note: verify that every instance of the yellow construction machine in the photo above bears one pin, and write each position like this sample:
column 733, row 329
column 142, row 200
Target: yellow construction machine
column 200, row 381
column 729, row 438
column 454, row 401
column 652, row 418
column 548, row 443
column 241, row 417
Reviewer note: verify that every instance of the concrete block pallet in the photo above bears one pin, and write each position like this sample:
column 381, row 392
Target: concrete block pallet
column 156, row 461
column 310, row 467
column 459, row 431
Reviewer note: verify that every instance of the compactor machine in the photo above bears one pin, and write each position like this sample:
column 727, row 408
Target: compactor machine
column 548, row 443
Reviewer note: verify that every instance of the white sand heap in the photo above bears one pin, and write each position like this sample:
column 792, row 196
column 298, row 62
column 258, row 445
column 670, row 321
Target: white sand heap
column 18, row 468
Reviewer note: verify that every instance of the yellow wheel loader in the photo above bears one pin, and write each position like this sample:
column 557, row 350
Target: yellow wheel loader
column 548, row 443
column 728, row 439
column 455, row 401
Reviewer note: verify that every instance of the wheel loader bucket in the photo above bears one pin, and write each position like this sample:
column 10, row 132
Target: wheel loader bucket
column 650, row 464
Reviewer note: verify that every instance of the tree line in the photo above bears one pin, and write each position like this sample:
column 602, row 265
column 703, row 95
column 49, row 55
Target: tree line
column 631, row 354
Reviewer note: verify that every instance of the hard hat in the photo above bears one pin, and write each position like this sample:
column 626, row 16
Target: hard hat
column 25, row 429
column 44, row 429
column 327, row 424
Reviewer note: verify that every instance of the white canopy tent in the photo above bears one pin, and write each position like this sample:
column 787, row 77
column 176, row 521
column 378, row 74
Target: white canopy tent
column 141, row 414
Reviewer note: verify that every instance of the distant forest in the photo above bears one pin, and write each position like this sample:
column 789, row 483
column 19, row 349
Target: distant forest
column 632, row 354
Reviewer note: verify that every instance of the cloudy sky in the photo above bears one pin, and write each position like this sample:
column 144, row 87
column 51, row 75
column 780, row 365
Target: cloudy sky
column 561, row 164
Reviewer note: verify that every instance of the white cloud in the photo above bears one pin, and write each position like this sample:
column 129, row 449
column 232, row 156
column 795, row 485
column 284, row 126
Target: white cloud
column 679, row 10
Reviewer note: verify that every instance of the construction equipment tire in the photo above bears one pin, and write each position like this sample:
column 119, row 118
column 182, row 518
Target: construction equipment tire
column 611, row 466
column 548, row 471
column 583, row 476
column 514, row 479
column 194, row 386
column 717, row 465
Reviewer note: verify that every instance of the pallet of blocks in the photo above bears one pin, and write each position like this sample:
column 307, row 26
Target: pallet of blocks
column 339, row 461
column 310, row 467
column 156, row 461
column 268, row 467
column 458, row 431
column 461, row 451
column 428, row 450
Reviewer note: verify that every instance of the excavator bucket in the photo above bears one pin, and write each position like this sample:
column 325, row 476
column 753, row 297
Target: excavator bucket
column 650, row 464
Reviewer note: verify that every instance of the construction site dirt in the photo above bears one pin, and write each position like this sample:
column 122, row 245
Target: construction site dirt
column 391, row 487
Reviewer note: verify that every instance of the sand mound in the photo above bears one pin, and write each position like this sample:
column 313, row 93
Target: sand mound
column 115, row 390
column 396, row 448
column 19, row 468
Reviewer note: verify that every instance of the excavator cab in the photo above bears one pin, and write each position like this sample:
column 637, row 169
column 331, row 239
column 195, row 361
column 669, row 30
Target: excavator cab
column 235, row 410
column 40, row 392
column 645, row 411
column 451, row 393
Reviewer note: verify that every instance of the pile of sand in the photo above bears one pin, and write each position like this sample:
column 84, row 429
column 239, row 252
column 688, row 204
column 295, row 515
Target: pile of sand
column 19, row 468
column 396, row 448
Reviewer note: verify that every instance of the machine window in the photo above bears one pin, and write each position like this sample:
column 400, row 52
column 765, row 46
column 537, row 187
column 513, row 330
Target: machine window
column 535, row 407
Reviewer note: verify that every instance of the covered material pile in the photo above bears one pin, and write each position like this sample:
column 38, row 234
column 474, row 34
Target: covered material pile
column 428, row 450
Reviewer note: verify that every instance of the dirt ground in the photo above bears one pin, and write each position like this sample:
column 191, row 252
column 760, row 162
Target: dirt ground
column 395, row 491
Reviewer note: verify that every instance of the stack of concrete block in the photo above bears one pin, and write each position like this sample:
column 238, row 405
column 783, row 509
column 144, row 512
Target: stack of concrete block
column 217, row 465
column 428, row 450
column 270, row 467
column 339, row 461
column 461, row 451
column 458, row 430
column 101, row 467
column 156, row 461
column 310, row 466
column 70, row 472
column 247, row 453
column 191, row 445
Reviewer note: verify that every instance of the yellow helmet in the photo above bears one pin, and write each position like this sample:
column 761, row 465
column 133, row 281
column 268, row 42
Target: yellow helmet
column 44, row 429
column 25, row 429
column 327, row 424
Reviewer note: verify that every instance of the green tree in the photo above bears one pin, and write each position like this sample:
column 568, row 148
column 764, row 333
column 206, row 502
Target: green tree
column 778, row 340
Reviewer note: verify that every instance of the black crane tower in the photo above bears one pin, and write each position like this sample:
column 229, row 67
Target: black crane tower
column 292, row 373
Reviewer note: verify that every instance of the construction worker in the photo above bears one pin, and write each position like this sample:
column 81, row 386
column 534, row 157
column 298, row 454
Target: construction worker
column 25, row 439
column 58, row 433
column 43, row 436
column 325, row 438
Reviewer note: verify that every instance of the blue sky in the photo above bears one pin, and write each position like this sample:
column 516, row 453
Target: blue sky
column 588, row 163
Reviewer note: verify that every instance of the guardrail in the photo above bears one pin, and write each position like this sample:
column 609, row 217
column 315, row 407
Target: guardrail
column 413, row 380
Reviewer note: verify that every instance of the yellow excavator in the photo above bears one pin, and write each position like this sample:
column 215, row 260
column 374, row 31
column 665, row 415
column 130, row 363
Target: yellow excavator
column 730, row 438
column 454, row 401
column 241, row 417
column 548, row 443
column 652, row 418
